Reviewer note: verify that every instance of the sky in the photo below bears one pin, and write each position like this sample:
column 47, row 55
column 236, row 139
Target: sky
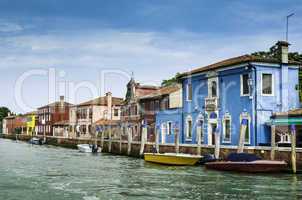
column 84, row 48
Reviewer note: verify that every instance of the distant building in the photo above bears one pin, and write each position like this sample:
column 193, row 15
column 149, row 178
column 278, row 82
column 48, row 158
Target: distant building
column 8, row 124
column 50, row 114
column 132, row 118
column 86, row 116
column 217, row 97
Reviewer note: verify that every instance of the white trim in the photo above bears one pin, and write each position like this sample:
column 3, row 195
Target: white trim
column 248, row 117
column 273, row 84
column 163, row 132
column 187, row 91
column 226, row 117
column 241, row 86
column 189, row 118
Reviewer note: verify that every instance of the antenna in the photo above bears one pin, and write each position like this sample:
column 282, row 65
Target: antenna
column 287, row 18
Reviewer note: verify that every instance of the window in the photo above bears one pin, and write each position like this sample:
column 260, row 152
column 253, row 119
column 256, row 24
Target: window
column 169, row 128
column 267, row 84
column 115, row 112
column 157, row 105
column 214, row 88
column 246, row 116
column 199, row 130
column 189, row 128
column 245, row 91
column 189, row 92
column 227, row 128
column 90, row 113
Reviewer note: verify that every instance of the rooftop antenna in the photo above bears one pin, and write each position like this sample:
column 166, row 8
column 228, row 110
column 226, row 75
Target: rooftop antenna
column 287, row 18
column 132, row 75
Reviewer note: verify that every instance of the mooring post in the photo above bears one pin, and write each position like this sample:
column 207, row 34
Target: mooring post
column 121, row 141
column 157, row 139
column 102, row 139
column 243, row 128
column 143, row 139
column 129, row 141
column 176, row 139
column 110, row 140
column 199, row 141
column 217, row 144
column 293, row 148
column 273, row 141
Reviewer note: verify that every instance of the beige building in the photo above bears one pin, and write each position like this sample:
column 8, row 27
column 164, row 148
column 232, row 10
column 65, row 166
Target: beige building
column 84, row 116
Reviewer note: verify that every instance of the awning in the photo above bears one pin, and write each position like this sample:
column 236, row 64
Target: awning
column 284, row 121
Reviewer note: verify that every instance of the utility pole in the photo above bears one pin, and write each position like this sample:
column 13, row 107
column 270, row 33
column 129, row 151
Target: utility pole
column 287, row 19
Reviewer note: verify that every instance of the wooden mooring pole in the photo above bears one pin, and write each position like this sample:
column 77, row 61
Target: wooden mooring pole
column 273, row 141
column 199, row 141
column 129, row 141
column 293, row 149
column 176, row 140
column 121, row 142
column 157, row 139
column 110, row 140
column 243, row 128
column 217, row 144
column 143, row 140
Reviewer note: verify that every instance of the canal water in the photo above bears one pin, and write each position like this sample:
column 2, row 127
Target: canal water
column 52, row 173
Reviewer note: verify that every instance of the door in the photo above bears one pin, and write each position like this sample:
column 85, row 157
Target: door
column 211, row 133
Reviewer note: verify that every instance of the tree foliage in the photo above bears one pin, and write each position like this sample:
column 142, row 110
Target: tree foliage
column 3, row 113
column 170, row 81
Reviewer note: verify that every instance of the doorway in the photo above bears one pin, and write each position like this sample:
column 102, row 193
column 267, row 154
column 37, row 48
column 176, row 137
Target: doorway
column 211, row 133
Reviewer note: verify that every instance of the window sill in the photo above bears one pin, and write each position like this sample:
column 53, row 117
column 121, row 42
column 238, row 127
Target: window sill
column 188, row 139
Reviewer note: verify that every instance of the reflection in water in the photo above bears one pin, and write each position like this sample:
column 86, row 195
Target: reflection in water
column 44, row 172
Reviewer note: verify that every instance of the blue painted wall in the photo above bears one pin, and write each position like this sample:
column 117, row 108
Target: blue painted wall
column 233, row 104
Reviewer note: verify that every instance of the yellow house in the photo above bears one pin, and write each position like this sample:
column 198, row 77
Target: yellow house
column 30, row 123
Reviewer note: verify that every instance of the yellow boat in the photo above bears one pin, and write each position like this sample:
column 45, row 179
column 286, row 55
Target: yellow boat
column 172, row 158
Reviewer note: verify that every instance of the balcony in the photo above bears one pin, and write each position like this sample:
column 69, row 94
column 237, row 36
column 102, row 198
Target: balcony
column 211, row 104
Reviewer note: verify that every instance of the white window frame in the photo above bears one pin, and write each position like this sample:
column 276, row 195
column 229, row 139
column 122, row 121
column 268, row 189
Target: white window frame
column 241, row 86
column 248, row 117
column 200, row 129
column 169, row 127
column 189, row 118
column 210, row 80
column 273, row 84
column 187, row 91
column 227, row 117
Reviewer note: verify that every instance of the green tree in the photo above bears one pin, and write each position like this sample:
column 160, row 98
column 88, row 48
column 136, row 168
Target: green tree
column 3, row 113
column 170, row 81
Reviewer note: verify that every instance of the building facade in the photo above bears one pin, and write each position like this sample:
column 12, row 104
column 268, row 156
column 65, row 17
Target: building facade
column 85, row 116
column 50, row 114
column 218, row 97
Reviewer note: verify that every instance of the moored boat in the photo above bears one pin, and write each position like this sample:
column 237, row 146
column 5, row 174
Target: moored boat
column 36, row 141
column 88, row 148
column 247, row 163
column 172, row 158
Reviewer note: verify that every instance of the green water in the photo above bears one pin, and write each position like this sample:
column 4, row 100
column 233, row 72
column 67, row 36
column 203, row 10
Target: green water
column 51, row 173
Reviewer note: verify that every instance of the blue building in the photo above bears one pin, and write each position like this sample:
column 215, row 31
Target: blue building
column 217, row 97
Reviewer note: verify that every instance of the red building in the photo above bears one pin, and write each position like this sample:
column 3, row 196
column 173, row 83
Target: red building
column 51, row 114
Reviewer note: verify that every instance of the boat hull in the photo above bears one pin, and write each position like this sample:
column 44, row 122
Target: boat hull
column 86, row 148
column 172, row 159
column 261, row 166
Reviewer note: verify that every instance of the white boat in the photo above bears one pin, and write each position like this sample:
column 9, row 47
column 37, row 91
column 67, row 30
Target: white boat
column 88, row 148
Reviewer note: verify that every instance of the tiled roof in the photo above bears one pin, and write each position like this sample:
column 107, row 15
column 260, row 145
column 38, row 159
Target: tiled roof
column 162, row 91
column 102, row 101
column 235, row 61
column 57, row 103
column 290, row 113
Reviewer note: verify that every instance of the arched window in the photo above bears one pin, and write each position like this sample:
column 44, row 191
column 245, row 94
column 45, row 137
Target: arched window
column 227, row 128
column 214, row 88
column 189, row 127
column 199, row 129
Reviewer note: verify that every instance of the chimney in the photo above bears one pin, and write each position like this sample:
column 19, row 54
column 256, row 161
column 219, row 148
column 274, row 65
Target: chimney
column 109, row 105
column 62, row 101
column 8, row 114
column 283, row 51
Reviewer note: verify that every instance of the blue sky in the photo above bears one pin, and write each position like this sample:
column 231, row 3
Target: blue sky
column 154, row 39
